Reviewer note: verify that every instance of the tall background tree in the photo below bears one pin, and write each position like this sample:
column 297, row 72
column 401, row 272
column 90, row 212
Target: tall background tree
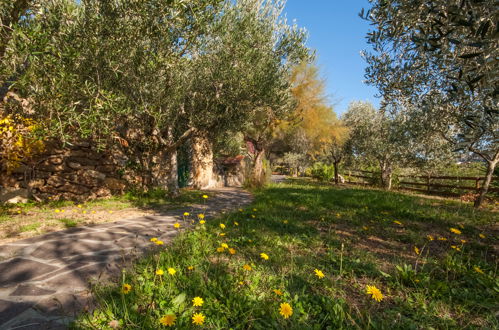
column 442, row 57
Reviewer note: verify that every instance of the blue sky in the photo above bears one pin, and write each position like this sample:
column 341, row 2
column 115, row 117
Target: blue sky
column 337, row 34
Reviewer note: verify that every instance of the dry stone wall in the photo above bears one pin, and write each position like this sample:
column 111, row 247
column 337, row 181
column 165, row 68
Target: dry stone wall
column 78, row 172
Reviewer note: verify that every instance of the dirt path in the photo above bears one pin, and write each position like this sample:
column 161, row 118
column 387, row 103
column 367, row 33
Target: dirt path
column 44, row 280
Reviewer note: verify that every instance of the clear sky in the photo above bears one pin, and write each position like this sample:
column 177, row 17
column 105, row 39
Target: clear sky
column 337, row 33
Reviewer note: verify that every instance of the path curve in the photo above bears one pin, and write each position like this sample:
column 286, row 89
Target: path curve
column 45, row 280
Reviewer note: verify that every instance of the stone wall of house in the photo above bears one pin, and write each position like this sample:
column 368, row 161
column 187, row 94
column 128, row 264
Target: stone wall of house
column 78, row 172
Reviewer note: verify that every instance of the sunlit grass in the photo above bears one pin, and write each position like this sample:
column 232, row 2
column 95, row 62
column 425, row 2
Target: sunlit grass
column 29, row 219
column 308, row 230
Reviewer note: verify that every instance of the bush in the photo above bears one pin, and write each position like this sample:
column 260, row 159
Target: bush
column 322, row 172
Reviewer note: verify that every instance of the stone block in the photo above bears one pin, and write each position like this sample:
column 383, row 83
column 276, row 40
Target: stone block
column 114, row 184
column 13, row 195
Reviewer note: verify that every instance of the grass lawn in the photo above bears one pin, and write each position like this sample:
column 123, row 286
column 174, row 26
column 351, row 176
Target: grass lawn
column 20, row 221
column 303, row 256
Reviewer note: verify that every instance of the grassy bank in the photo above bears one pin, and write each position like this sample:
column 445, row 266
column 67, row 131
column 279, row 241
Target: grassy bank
column 312, row 256
column 20, row 221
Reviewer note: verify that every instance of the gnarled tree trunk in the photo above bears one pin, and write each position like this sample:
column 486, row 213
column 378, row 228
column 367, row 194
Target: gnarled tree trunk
column 491, row 165
column 202, row 161
column 258, row 172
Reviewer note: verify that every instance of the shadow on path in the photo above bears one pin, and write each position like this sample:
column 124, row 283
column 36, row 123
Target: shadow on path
column 45, row 280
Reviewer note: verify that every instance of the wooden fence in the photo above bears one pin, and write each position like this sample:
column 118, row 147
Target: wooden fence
column 428, row 184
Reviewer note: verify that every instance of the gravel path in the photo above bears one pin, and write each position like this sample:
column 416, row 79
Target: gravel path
column 45, row 280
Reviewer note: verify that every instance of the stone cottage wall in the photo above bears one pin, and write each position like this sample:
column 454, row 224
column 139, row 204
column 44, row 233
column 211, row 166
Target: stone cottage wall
column 78, row 172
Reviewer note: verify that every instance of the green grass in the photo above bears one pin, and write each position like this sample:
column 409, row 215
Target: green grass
column 347, row 233
column 30, row 227
column 46, row 216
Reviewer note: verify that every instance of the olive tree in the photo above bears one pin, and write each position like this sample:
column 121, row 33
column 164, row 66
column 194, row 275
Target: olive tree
column 442, row 56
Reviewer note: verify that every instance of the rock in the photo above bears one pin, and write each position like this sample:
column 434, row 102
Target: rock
column 56, row 181
column 36, row 183
column 94, row 174
column 114, row 184
column 52, row 168
column 74, row 165
column 105, row 168
column 20, row 169
column 56, row 160
column 85, row 161
column 42, row 174
column 101, row 192
column 13, row 195
column 74, row 189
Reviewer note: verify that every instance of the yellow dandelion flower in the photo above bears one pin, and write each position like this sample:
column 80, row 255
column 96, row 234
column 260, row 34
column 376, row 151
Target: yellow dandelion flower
column 197, row 301
column 481, row 235
column 222, row 226
column 57, row 211
column 455, row 247
column 79, row 205
column 198, row 319
column 430, row 237
column 278, row 292
column 168, row 320
column 463, row 241
column 232, row 251
column 442, row 239
column 171, row 271
column 186, row 214
column 110, row 212
column 220, row 249
column 241, row 283
column 190, row 268
column 247, row 267
column 374, row 292
column 202, row 222
column 286, row 310
column 338, row 215
column 205, row 196
column 154, row 239
column 240, row 210
column 19, row 211
column 397, row 222
column 84, row 212
column 222, row 234
column 158, row 242
column 159, row 272
column 224, row 245
column 319, row 273
column 176, row 225
column 126, row 288
column 416, row 250
column 62, row 211
column 455, row 231
column 236, row 223
column 264, row 256
column 201, row 216
column 478, row 269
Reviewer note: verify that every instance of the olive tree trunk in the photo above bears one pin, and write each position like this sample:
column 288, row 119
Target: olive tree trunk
column 491, row 165
column 202, row 162
column 386, row 174
column 258, row 172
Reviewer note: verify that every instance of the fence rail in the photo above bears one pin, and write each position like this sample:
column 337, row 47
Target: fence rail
column 429, row 186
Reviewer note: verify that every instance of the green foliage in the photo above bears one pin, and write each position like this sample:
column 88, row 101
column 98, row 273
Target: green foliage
column 321, row 171
column 348, row 234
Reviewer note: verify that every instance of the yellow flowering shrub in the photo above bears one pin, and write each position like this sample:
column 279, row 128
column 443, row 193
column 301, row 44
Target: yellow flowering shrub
column 18, row 143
